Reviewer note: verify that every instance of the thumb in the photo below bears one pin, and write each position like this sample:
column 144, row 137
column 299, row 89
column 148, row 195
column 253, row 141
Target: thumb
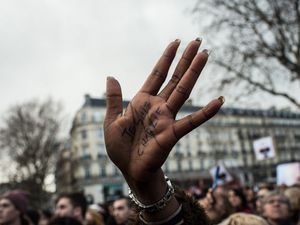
column 113, row 101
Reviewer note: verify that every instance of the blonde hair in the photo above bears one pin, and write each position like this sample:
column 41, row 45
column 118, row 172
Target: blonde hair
column 293, row 194
column 244, row 219
column 97, row 218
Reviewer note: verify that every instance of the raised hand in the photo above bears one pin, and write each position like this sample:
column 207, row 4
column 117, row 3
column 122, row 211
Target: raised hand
column 139, row 140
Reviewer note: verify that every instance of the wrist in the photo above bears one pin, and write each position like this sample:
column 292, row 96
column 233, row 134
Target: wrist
column 149, row 190
column 155, row 190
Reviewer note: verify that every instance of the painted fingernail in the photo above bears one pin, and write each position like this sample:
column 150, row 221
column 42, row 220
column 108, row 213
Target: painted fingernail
column 198, row 39
column 177, row 40
column 221, row 99
column 207, row 52
column 110, row 78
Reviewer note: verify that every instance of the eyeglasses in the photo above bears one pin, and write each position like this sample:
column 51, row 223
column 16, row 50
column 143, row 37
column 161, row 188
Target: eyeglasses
column 280, row 201
column 260, row 197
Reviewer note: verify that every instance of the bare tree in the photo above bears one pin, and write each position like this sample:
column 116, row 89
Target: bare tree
column 257, row 44
column 30, row 137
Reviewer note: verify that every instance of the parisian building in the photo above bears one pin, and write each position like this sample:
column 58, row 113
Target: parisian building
column 227, row 139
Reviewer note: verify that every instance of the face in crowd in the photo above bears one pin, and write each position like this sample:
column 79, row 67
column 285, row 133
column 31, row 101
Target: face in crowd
column 64, row 208
column 259, row 199
column 234, row 199
column 276, row 208
column 216, row 206
column 8, row 212
column 121, row 210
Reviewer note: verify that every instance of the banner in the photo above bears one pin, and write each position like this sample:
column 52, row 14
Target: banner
column 264, row 148
column 220, row 175
column 288, row 173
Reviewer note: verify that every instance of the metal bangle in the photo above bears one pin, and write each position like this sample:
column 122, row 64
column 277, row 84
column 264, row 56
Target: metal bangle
column 157, row 206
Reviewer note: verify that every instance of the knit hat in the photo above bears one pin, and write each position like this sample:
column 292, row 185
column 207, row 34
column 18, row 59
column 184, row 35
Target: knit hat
column 19, row 198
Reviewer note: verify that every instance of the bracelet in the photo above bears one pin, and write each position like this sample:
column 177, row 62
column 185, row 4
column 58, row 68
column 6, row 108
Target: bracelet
column 157, row 206
column 175, row 218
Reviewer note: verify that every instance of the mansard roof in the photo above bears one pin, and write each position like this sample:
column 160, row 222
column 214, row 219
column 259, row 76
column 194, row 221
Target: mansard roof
column 100, row 102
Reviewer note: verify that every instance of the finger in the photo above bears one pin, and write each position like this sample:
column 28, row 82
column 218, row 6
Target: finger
column 181, row 68
column 113, row 101
column 190, row 122
column 160, row 71
column 183, row 89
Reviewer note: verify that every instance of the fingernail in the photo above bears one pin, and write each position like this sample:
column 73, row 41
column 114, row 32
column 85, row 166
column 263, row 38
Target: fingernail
column 177, row 40
column 221, row 99
column 110, row 78
column 206, row 51
column 198, row 39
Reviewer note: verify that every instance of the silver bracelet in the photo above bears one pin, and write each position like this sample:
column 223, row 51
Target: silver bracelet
column 157, row 206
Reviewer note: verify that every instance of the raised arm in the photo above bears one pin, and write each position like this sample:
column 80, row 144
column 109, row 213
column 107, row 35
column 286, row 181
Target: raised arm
column 140, row 139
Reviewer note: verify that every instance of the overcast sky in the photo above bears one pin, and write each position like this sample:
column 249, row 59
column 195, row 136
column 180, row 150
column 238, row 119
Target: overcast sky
column 66, row 48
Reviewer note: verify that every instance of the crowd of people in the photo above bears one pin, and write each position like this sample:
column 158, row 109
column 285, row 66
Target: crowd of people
column 225, row 205
column 138, row 141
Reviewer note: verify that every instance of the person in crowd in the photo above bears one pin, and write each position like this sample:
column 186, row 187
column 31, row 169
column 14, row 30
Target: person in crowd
column 122, row 210
column 13, row 208
column 293, row 194
column 109, row 216
column 238, row 200
column 263, row 191
column 45, row 216
column 276, row 209
column 251, row 197
column 93, row 217
column 216, row 205
column 140, row 139
column 64, row 220
column 244, row 219
column 72, row 205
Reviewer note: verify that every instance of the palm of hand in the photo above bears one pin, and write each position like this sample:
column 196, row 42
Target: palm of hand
column 142, row 137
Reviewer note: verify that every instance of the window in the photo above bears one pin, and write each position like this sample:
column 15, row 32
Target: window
column 83, row 134
column 85, row 150
column 97, row 117
column 116, row 171
column 87, row 172
column 102, row 171
column 99, row 133
column 101, row 150
column 84, row 117
column 179, row 167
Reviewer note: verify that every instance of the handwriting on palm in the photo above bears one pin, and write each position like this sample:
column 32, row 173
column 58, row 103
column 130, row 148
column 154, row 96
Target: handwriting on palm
column 139, row 140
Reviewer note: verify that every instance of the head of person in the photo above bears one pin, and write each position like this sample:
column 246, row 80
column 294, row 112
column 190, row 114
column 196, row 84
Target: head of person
column 237, row 199
column 250, row 195
column 93, row 217
column 293, row 194
column 216, row 206
column 261, row 193
column 45, row 217
column 13, row 206
column 276, row 208
column 122, row 210
column 244, row 219
column 71, row 205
